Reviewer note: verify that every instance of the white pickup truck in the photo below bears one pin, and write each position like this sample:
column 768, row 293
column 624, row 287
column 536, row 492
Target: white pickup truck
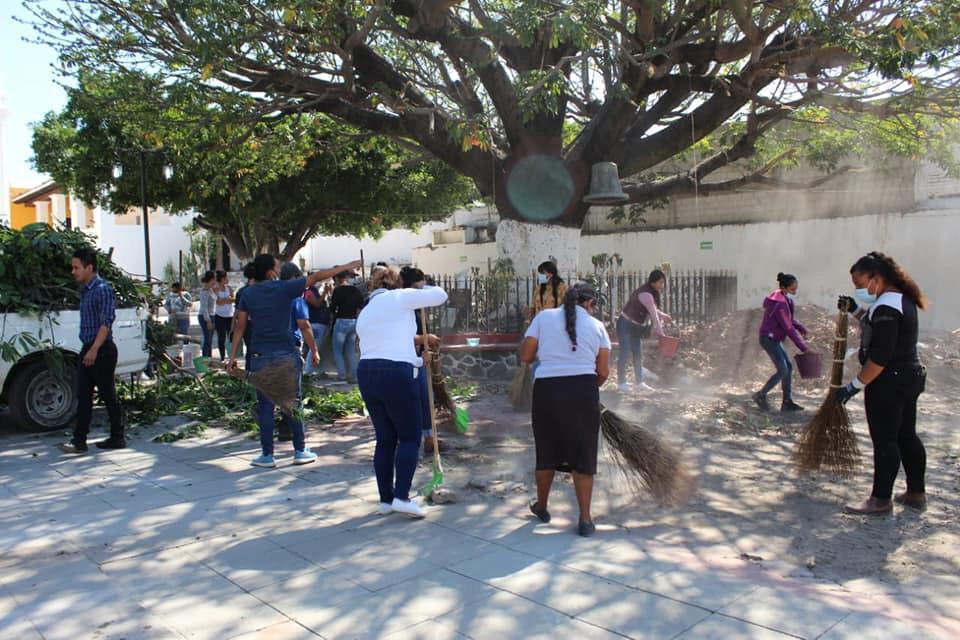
column 41, row 399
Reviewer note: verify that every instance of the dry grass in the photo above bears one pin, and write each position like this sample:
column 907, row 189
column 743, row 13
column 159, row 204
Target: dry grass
column 649, row 464
column 828, row 441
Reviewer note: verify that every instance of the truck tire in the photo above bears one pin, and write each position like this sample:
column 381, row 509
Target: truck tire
column 39, row 400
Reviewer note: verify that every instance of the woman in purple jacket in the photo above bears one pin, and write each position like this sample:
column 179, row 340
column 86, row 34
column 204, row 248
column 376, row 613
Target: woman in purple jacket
column 778, row 324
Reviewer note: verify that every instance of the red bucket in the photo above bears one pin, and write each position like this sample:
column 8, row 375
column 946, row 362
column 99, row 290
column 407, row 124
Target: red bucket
column 669, row 346
column 810, row 365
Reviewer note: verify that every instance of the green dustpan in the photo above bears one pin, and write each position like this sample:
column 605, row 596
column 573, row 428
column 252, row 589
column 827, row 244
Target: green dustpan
column 435, row 482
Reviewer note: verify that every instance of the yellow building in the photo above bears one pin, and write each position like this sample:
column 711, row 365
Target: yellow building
column 20, row 214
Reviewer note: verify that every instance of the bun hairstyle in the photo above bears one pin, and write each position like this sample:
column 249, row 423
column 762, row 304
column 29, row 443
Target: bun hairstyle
column 576, row 295
column 385, row 278
column 208, row 276
column 786, row 280
column 410, row 276
column 656, row 276
column 880, row 264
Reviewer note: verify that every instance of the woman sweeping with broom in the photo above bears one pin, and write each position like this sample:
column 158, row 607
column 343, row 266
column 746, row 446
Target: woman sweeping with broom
column 892, row 378
column 388, row 376
column 574, row 353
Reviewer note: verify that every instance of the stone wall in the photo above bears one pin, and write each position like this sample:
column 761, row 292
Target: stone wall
column 489, row 365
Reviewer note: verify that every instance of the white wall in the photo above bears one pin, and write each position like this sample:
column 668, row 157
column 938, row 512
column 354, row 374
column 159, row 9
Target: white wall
column 454, row 259
column 394, row 247
column 818, row 252
column 167, row 239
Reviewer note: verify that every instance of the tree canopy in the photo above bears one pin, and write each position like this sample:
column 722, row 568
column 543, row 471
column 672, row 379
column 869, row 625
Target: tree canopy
column 264, row 186
column 523, row 96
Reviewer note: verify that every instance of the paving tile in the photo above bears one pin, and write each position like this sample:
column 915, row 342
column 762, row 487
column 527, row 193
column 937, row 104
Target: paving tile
column 503, row 615
column 288, row 630
column 719, row 626
column 430, row 630
column 379, row 568
column 363, row 616
column 213, row 608
column 803, row 612
column 158, row 573
column 496, row 564
column 642, row 615
column 869, row 626
column 569, row 592
column 251, row 563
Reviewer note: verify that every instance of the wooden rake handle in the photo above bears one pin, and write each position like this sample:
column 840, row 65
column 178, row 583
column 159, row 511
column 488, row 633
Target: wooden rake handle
column 433, row 414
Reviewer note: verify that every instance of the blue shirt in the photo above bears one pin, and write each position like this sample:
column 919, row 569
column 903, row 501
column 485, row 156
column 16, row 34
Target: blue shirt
column 98, row 308
column 298, row 311
column 268, row 306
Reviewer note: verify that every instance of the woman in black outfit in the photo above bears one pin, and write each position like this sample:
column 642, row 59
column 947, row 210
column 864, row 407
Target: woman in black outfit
column 892, row 376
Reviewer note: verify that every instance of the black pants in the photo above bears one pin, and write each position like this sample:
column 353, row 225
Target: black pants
column 223, row 327
column 891, row 404
column 101, row 375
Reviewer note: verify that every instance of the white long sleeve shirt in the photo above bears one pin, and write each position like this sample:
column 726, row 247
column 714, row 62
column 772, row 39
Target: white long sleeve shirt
column 387, row 325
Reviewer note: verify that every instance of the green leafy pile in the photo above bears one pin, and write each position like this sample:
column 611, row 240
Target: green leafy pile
column 35, row 270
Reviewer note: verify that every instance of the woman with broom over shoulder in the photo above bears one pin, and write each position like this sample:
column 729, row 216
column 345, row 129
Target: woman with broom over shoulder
column 265, row 308
column 389, row 379
column 574, row 353
column 892, row 378
column 778, row 324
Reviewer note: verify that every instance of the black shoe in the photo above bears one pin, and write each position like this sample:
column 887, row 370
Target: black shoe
column 70, row 447
column 790, row 406
column 542, row 514
column 112, row 443
column 586, row 529
column 761, row 401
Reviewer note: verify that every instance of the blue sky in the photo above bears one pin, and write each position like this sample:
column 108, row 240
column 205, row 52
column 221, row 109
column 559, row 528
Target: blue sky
column 29, row 82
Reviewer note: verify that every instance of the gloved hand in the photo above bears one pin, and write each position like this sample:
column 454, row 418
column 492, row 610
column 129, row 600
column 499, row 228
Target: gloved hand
column 844, row 393
column 846, row 303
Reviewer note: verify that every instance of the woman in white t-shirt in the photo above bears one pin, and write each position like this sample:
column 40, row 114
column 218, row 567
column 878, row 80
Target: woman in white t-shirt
column 574, row 353
column 223, row 320
column 388, row 379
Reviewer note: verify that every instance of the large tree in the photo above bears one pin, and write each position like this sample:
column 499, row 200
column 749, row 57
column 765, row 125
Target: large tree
column 263, row 186
column 524, row 96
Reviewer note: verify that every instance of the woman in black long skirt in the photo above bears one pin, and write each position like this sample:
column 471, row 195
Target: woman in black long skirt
column 574, row 353
column 892, row 378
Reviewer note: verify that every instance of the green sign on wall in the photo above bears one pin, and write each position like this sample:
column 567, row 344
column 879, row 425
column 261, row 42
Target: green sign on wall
column 706, row 245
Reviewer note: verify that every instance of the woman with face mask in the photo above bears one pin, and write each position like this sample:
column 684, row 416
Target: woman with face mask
column 779, row 324
column 550, row 289
column 892, row 378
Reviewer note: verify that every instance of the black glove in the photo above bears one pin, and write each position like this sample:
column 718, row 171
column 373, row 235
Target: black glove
column 846, row 303
column 844, row 393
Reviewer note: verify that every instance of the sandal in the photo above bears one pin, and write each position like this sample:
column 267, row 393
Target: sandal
column 870, row 507
column 542, row 514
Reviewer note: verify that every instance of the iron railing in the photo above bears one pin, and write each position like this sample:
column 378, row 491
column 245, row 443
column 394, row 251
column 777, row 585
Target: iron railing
column 495, row 303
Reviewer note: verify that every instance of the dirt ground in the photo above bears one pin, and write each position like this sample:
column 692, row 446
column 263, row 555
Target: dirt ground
column 750, row 501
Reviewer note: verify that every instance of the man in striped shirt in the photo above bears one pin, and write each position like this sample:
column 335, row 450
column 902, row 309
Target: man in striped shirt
column 98, row 356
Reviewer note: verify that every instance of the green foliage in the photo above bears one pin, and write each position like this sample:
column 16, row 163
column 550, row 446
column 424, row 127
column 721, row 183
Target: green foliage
column 35, row 276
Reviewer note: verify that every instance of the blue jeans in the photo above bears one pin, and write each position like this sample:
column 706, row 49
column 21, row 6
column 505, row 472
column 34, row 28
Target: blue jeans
column 183, row 326
column 392, row 396
column 265, row 407
column 345, row 348
column 207, row 348
column 630, row 336
column 320, row 333
column 781, row 361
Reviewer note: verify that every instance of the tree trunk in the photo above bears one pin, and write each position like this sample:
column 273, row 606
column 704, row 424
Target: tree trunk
column 527, row 244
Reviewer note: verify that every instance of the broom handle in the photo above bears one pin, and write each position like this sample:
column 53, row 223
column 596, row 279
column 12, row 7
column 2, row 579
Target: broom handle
column 433, row 416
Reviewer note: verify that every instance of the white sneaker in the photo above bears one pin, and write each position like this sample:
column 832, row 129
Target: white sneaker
column 643, row 387
column 408, row 507
column 384, row 509
column 623, row 387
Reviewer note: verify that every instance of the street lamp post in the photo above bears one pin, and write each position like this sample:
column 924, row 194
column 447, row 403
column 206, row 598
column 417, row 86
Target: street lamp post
column 167, row 174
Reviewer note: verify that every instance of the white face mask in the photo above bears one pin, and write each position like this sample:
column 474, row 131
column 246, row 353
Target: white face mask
column 542, row 278
column 792, row 297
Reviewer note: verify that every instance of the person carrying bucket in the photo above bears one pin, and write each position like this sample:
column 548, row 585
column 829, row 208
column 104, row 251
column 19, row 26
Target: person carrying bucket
column 778, row 324
column 639, row 316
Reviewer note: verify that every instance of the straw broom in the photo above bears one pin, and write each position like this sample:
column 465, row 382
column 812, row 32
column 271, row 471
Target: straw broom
column 828, row 442
column 443, row 399
column 649, row 464
column 437, row 478
column 278, row 382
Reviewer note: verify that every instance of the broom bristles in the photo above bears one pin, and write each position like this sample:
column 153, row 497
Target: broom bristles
column 278, row 382
column 649, row 464
column 828, row 442
column 521, row 390
column 441, row 397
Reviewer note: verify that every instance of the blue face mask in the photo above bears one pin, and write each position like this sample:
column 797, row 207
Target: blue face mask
column 864, row 297
column 542, row 278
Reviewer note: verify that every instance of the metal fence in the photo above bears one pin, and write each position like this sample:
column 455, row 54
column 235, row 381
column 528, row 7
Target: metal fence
column 495, row 303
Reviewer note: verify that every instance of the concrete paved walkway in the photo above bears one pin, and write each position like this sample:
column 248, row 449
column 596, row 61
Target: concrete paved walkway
column 186, row 540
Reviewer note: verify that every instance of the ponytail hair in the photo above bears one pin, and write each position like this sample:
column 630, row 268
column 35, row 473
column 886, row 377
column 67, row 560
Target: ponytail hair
column 786, row 280
column 576, row 295
column 877, row 263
